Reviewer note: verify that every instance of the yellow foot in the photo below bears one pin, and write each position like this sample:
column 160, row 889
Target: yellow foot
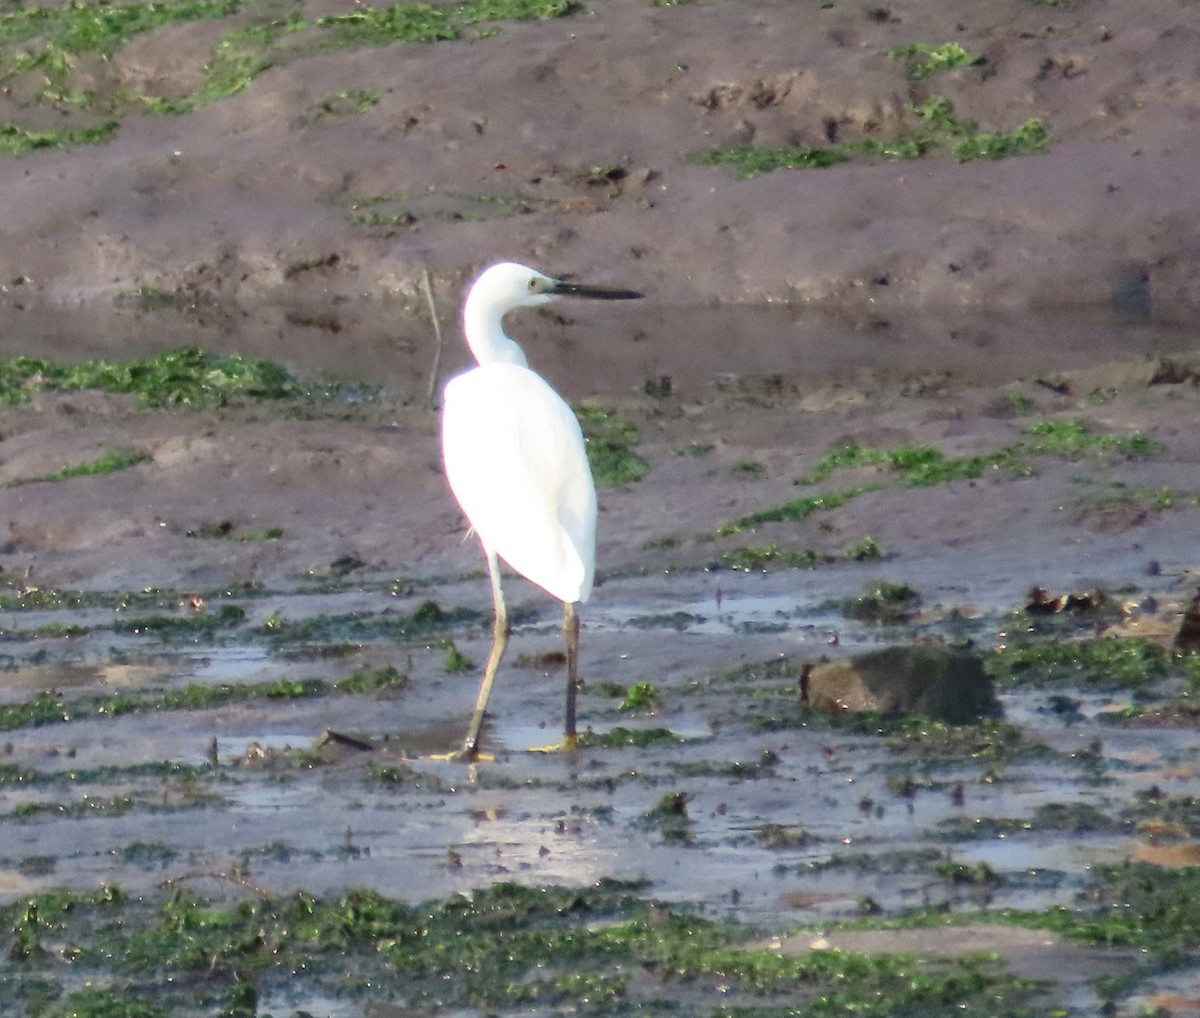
column 566, row 743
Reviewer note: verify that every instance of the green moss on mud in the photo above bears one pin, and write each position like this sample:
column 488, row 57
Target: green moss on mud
column 504, row 949
column 428, row 619
column 610, row 439
column 641, row 697
column 373, row 680
column 760, row 558
column 187, row 376
column 427, row 23
column 51, row 707
column 890, row 603
column 1106, row 662
column 1132, row 905
column 923, row 466
column 931, row 741
column 797, row 509
column 193, row 624
column 17, row 140
column 64, row 56
column 227, row 530
column 919, row 465
column 923, row 60
column 107, row 463
column 931, row 127
column 620, row 737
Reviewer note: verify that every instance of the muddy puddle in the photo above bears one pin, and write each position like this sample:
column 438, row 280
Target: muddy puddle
column 389, row 342
column 256, row 723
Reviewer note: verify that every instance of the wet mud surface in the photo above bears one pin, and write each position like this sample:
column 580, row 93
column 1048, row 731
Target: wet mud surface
column 230, row 668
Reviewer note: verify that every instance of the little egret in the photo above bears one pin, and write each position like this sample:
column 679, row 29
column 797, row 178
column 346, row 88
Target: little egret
column 516, row 463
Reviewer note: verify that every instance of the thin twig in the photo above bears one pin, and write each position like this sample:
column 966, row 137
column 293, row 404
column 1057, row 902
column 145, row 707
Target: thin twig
column 431, row 395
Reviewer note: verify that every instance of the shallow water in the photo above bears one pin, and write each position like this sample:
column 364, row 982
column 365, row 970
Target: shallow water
column 766, row 346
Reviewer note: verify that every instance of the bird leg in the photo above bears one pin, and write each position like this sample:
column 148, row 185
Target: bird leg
column 500, row 634
column 571, row 636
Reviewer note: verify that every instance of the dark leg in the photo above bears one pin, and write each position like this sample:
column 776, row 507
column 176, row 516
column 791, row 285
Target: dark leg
column 571, row 636
column 500, row 632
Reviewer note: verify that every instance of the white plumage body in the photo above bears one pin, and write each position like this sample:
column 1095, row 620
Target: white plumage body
column 515, row 460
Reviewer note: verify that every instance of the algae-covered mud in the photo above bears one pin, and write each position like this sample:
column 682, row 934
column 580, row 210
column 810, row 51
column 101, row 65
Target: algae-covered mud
column 890, row 675
column 241, row 623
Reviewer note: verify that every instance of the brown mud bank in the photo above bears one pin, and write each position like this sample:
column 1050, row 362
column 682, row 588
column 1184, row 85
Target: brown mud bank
column 570, row 143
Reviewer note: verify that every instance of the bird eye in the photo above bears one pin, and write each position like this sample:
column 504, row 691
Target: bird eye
column 533, row 284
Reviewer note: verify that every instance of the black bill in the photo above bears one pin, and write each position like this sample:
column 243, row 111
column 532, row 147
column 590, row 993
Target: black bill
column 565, row 288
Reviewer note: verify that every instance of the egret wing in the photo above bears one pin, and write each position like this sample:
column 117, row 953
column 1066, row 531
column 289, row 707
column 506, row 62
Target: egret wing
column 516, row 462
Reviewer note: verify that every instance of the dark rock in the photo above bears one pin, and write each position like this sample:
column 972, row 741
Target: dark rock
column 1188, row 637
column 937, row 682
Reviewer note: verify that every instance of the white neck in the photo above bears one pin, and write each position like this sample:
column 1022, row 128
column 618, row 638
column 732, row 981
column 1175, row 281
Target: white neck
column 483, row 326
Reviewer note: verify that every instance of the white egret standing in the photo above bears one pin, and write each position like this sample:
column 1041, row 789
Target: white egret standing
column 516, row 462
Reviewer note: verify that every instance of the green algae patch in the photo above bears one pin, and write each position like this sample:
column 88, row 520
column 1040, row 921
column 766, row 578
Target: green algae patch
column 748, row 161
column 1131, row 905
column 116, row 805
column 402, row 22
column 107, row 463
column 736, row 770
column 1076, row 818
column 427, row 619
column 891, row 603
column 921, row 465
column 227, row 530
column 932, row 741
column 17, row 140
column 782, row 837
column 762, row 557
column 506, row 949
column 373, row 680
column 620, row 737
column 456, row 661
column 866, row 550
column 427, row 23
column 797, row 509
column 1071, row 438
column 929, row 128
column 239, row 58
column 642, row 696
column 23, row 597
column 200, row 623
column 924, row 466
column 93, row 27
column 51, row 707
column 610, row 439
column 187, row 376
column 52, row 47
column 1107, row 662
column 68, row 57
column 923, row 60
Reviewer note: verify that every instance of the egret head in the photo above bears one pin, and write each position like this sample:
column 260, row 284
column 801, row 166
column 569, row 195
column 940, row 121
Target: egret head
column 508, row 285
column 505, row 287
